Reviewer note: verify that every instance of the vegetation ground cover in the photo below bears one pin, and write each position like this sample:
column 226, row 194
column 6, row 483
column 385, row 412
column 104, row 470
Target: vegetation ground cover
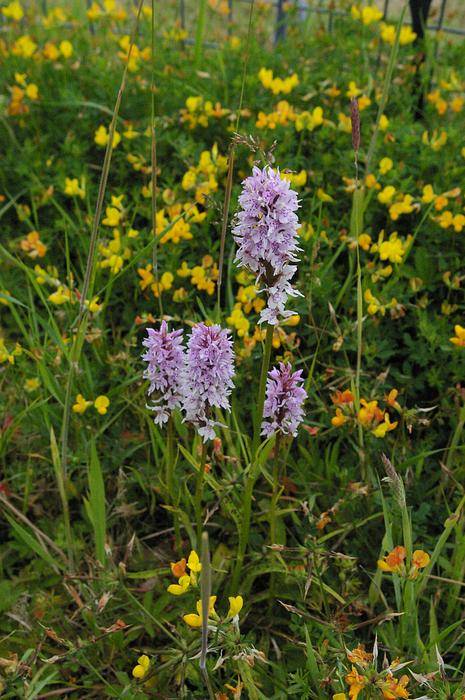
column 336, row 556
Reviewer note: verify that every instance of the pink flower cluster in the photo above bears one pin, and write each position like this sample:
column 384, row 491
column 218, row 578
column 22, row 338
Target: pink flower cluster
column 266, row 235
column 195, row 381
column 284, row 399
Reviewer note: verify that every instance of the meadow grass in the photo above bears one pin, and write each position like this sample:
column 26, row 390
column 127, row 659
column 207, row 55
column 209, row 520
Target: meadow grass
column 137, row 559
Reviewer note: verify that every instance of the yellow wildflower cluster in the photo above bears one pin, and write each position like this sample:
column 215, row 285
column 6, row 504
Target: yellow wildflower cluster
column 369, row 415
column 277, row 86
column 33, row 246
column 375, row 306
column 459, row 339
column 394, row 562
column 203, row 178
column 9, row 355
column 283, row 115
column 368, row 14
column 388, row 34
column 203, row 276
column 397, row 202
column 74, row 188
column 247, row 301
column 309, row 120
column 100, row 404
column 54, row 17
column 113, row 253
column 384, row 681
column 24, row 46
column 235, row 606
column 19, row 92
column 13, row 11
column 198, row 111
column 435, row 141
column 296, row 179
column 102, row 136
column 392, row 249
column 109, row 10
column 441, row 105
column 52, row 52
column 148, row 279
column 185, row 579
column 177, row 216
column 132, row 56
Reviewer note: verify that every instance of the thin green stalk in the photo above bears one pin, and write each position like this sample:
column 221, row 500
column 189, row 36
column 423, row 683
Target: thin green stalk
column 199, row 33
column 205, row 591
column 247, row 507
column 199, row 493
column 228, row 190
column 153, row 162
column 274, row 496
column 170, row 487
column 262, row 389
column 89, row 277
column 357, row 224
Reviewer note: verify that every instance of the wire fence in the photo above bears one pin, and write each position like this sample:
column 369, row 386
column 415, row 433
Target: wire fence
column 287, row 11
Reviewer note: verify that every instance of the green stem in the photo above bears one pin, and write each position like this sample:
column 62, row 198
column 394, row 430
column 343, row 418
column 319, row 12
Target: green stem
column 262, row 390
column 199, row 493
column 247, row 507
column 274, row 497
column 170, row 488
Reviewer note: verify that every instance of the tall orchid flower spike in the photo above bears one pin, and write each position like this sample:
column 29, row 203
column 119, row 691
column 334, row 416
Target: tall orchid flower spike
column 165, row 360
column 284, row 399
column 266, row 235
column 207, row 377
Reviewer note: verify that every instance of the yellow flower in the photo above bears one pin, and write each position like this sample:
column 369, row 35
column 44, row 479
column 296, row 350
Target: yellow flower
column 165, row 283
column 385, row 165
column 142, row 668
column 339, row 696
column 356, row 683
column 194, row 620
column 353, row 90
column 394, row 561
column 50, row 51
column 386, row 195
column 102, row 136
column 385, row 427
column 61, row 296
column 339, row 419
column 392, row 250
column 194, row 562
column 297, row 179
column 14, row 10
column 405, row 206
column 459, row 338
column 24, row 46
column 101, row 403
column 66, row 48
column 235, row 605
column 363, row 102
column 383, row 122
column 93, row 305
column 31, row 384
column 364, row 241
column 113, row 217
column 323, row 196
column 73, row 189
column 388, row 34
column 32, row 91
column 181, row 587
column 33, row 246
column 81, row 404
